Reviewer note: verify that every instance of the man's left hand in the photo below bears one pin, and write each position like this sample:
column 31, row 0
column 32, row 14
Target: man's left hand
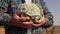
column 40, row 22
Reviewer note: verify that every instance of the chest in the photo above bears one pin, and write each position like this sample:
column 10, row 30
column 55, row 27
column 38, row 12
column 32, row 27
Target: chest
column 15, row 2
column 20, row 1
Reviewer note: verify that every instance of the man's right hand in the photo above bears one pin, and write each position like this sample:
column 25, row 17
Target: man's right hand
column 18, row 21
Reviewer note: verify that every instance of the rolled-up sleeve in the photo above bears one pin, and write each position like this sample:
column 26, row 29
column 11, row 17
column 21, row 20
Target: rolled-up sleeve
column 48, row 15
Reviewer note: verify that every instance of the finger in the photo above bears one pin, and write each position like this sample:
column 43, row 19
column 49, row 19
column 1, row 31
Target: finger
column 37, row 25
column 19, row 12
column 26, row 26
column 24, row 18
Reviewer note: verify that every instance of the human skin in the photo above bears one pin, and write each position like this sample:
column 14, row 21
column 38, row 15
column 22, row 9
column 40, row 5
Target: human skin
column 21, row 21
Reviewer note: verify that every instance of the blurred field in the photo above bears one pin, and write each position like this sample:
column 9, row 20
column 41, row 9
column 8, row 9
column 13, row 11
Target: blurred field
column 2, row 30
column 51, row 30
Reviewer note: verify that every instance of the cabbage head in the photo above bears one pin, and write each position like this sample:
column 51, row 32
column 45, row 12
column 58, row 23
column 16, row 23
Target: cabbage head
column 32, row 10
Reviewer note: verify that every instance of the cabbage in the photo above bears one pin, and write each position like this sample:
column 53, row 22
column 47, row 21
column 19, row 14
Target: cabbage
column 32, row 10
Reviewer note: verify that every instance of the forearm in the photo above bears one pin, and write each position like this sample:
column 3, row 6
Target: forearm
column 49, row 18
column 48, row 15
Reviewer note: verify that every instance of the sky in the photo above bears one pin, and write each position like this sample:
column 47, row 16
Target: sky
column 54, row 8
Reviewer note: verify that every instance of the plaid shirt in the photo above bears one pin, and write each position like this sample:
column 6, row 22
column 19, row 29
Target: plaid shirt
column 11, row 5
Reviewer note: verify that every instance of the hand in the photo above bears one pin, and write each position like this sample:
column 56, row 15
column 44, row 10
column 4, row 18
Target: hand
column 16, row 15
column 27, row 24
column 19, row 21
column 24, row 18
column 19, row 12
column 24, row 24
column 14, row 19
column 42, row 20
column 16, row 22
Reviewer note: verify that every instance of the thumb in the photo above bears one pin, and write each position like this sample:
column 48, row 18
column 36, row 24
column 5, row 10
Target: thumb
column 19, row 12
